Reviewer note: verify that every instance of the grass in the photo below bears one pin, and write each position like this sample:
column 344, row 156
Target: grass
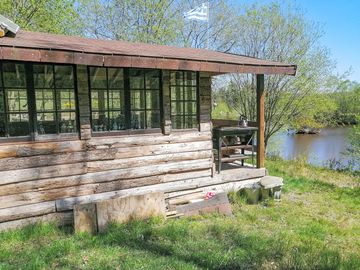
column 315, row 226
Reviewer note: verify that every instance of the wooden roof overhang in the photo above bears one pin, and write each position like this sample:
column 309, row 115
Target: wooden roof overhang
column 51, row 48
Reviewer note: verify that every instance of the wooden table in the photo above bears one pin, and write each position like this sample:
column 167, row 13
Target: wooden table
column 219, row 133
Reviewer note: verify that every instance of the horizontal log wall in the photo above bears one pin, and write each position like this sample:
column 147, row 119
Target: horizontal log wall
column 40, row 179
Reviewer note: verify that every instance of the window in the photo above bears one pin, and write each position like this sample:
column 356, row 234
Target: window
column 36, row 99
column 55, row 99
column 14, row 114
column 124, row 99
column 145, row 98
column 183, row 88
column 107, row 99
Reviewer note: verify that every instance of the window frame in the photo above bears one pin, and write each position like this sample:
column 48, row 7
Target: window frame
column 127, row 104
column 32, row 111
column 184, row 101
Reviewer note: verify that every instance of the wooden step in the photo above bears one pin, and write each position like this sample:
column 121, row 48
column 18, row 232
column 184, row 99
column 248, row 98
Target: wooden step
column 240, row 146
column 234, row 158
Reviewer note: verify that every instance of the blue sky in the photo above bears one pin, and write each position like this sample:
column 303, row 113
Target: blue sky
column 340, row 20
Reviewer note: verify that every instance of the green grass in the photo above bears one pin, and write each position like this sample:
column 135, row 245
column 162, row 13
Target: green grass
column 315, row 226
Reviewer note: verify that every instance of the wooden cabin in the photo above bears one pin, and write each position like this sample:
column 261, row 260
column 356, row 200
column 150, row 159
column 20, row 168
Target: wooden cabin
column 83, row 120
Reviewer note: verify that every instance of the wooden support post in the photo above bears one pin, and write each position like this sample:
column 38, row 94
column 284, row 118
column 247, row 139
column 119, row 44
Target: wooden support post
column 260, row 119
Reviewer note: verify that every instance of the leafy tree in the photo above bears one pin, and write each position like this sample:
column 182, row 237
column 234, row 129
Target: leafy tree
column 55, row 16
column 354, row 146
column 279, row 34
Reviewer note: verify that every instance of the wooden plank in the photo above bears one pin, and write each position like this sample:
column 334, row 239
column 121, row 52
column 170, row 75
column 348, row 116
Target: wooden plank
column 42, row 173
column 140, row 151
column 60, row 219
column 93, row 178
column 52, row 194
column 25, row 211
column 147, row 139
column 260, row 117
column 96, row 166
column 39, row 148
column 85, row 218
column 129, row 208
column 16, row 163
column 188, row 184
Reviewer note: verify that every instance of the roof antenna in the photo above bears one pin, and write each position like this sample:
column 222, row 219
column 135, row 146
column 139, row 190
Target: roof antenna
column 7, row 27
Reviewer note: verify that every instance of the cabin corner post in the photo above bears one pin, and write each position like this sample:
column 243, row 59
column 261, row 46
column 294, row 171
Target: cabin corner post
column 260, row 119
column 166, row 121
column 205, row 102
column 84, row 101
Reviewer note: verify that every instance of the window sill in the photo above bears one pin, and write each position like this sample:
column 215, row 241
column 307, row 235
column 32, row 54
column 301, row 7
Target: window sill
column 40, row 138
column 126, row 132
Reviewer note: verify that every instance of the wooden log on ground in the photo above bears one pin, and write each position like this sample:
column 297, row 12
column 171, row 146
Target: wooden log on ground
column 60, row 219
column 206, row 183
column 129, row 208
column 25, row 211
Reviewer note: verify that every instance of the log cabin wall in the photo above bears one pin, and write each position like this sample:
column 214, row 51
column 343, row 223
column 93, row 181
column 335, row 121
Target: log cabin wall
column 41, row 181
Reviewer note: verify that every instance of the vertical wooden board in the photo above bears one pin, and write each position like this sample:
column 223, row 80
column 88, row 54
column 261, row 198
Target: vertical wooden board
column 85, row 218
column 260, row 109
column 84, row 102
column 129, row 208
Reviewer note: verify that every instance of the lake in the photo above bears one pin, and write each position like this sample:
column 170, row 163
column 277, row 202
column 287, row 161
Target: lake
column 317, row 149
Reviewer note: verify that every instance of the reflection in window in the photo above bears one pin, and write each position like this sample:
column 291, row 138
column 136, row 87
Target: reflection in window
column 55, row 99
column 145, row 98
column 183, row 88
column 14, row 115
column 107, row 99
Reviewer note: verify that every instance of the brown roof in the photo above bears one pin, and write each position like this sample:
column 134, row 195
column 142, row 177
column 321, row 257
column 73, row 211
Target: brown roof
column 43, row 47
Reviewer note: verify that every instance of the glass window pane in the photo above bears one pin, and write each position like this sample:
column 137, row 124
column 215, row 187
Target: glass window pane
column 99, row 121
column 116, row 99
column 190, row 93
column 153, row 119
column 18, row 124
column 116, row 78
column 152, row 99
column 117, row 120
column 17, row 100
column 136, row 79
column 190, row 108
column 177, row 122
column 137, row 120
column 64, row 76
column 177, row 108
column 99, row 100
column 152, row 79
column 2, row 125
column 44, row 100
column 67, row 122
column 46, row 123
column 98, row 78
column 177, row 93
column 190, row 122
column 176, row 78
column 190, row 78
column 66, row 100
column 137, row 99
column 14, row 75
column 43, row 76
column 2, row 105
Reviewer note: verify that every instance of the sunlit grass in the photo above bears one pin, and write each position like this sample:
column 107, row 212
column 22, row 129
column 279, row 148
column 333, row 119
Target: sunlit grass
column 315, row 226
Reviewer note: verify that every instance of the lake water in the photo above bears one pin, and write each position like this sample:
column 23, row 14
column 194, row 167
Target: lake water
column 317, row 149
